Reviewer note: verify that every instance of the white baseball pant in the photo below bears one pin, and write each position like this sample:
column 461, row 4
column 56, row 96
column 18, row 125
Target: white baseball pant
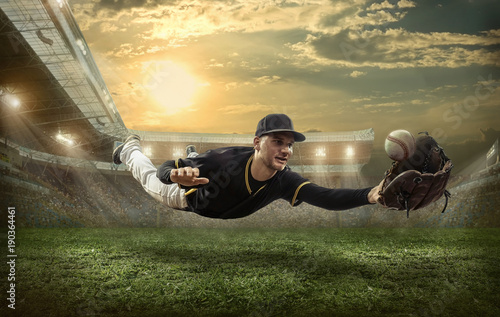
column 144, row 171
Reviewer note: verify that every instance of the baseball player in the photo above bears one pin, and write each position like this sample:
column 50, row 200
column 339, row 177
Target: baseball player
column 234, row 182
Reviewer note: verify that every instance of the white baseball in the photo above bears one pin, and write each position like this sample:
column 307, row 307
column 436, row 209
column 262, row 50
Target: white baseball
column 400, row 145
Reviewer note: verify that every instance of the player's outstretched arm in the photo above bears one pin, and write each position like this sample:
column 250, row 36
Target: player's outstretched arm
column 187, row 176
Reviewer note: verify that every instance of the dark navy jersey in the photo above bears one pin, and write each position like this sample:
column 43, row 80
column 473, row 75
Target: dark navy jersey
column 233, row 193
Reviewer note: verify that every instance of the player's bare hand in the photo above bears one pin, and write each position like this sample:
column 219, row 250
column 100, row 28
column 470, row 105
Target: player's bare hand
column 374, row 194
column 187, row 176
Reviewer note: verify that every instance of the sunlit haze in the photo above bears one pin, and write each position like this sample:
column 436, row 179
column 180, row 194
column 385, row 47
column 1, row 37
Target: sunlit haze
column 172, row 87
column 220, row 66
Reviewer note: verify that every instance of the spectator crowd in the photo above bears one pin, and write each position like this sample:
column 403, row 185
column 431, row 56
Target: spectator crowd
column 49, row 195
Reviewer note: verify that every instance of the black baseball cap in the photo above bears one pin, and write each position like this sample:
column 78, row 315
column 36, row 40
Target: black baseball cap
column 277, row 122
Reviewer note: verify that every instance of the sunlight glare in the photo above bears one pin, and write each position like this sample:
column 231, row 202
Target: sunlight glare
column 171, row 86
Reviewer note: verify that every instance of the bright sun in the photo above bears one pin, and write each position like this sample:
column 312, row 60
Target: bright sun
column 171, row 85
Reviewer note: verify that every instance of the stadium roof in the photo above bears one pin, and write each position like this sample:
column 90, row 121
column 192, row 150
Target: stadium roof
column 47, row 69
column 55, row 101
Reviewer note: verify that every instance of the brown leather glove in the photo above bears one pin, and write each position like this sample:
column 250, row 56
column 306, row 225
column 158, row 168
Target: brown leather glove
column 418, row 181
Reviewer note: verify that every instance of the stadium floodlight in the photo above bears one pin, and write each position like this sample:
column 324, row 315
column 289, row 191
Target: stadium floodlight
column 15, row 102
column 65, row 139
column 148, row 151
column 321, row 152
column 81, row 46
column 349, row 152
column 178, row 152
column 12, row 101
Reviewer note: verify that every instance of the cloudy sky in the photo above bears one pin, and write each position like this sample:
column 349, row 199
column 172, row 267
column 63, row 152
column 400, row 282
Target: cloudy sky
column 219, row 66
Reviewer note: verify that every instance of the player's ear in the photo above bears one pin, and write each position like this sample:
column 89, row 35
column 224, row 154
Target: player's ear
column 256, row 143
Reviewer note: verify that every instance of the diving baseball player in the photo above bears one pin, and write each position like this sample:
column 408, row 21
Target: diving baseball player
column 234, row 182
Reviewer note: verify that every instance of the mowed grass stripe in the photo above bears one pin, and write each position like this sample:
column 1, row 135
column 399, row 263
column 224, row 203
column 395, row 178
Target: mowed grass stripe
column 257, row 272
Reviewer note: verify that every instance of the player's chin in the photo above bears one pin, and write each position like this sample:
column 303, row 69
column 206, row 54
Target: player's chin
column 280, row 163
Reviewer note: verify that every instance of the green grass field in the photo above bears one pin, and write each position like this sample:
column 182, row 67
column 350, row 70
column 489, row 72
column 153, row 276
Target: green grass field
column 252, row 272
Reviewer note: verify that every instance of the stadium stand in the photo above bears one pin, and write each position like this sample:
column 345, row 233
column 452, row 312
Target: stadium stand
column 51, row 195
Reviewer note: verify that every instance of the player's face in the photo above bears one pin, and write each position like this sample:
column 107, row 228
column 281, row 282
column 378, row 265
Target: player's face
column 276, row 149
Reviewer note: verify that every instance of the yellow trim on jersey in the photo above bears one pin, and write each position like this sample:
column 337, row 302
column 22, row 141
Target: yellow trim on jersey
column 297, row 192
column 246, row 175
column 259, row 190
column 247, row 182
column 189, row 192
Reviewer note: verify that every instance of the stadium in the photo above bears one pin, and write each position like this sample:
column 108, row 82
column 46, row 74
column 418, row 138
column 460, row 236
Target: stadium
column 59, row 126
